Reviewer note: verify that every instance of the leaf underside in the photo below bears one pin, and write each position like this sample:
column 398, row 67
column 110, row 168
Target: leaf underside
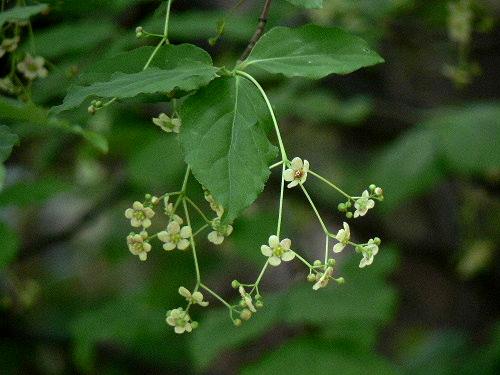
column 225, row 143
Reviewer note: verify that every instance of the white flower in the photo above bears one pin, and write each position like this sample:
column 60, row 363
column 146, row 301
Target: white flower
column 32, row 67
column 8, row 45
column 220, row 232
column 137, row 244
column 343, row 236
column 323, row 279
column 167, row 124
column 216, row 207
column 194, row 298
column 247, row 299
column 139, row 215
column 368, row 251
column 175, row 236
column 180, row 320
column 8, row 86
column 297, row 174
column 363, row 204
column 170, row 212
column 278, row 251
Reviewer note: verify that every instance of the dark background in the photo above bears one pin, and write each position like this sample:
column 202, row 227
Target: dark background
column 74, row 300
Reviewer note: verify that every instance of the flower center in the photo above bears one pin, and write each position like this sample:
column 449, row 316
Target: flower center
column 139, row 215
column 298, row 174
column 279, row 251
column 175, row 238
column 138, row 246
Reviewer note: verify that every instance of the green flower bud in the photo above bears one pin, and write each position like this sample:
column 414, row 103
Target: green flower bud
column 237, row 322
column 348, row 215
column 91, row 109
column 340, row 280
column 341, row 207
column 358, row 248
column 194, row 324
column 235, row 284
column 242, row 303
column 348, row 204
column 377, row 241
column 259, row 304
column 372, row 187
column 331, row 262
column 317, row 263
column 246, row 314
column 311, row 278
column 139, row 31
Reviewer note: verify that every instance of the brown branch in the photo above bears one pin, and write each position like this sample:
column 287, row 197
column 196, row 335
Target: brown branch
column 259, row 31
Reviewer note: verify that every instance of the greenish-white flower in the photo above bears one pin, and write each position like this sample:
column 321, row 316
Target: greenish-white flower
column 180, row 320
column 167, row 124
column 32, row 67
column 363, row 204
column 216, row 207
column 369, row 251
column 6, row 85
column 278, row 251
column 343, row 236
column 323, row 278
column 247, row 299
column 194, row 298
column 297, row 174
column 8, row 45
column 175, row 236
column 139, row 215
column 220, row 232
column 138, row 245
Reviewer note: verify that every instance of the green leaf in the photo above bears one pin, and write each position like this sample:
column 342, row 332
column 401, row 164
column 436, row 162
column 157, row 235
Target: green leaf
column 469, row 138
column 310, row 51
column 7, row 142
column 21, row 13
column 308, row 4
column 179, row 70
column 10, row 245
column 225, row 143
column 313, row 356
column 26, row 193
column 408, row 167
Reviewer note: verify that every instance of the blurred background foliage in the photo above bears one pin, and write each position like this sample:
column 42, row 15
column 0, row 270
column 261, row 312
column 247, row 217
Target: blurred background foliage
column 425, row 126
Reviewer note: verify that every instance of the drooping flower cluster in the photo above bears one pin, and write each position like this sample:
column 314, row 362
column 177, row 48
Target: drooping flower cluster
column 195, row 298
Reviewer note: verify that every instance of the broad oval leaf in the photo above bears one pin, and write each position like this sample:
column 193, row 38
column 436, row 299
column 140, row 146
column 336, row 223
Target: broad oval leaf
column 181, row 69
column 225, row 143
column 308, row 4
column 311, row 51
column 21, row 13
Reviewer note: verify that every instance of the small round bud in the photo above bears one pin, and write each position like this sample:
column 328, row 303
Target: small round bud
column 348, row 215
column 155, row 200
column 311, row 278
column 358, row 248
column 377, row 241
column 379, row 191
column 246, row 314
column 139, row 31
column 331, row 262
column 242, row 303
column 340, row 280
column 194, row 325
column 341, row 207
column 348, row 204
column 257, row 297
column 237, row 322
column 98, row 103
column 372, row 187
column 259, row 304
column 147, row 197
column 91, row 109
column 317, row 263
column 235, row 284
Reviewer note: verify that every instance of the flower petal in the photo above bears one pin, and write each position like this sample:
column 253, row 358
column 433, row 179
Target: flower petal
column 169, row 246
column 183, row 244
column 292, row 184
column 338, row 247
column 274, row 241
column 297, row 163
column 274, row 261
column 288, row 256
column 286, row 243
column 129, row 212
column 289, row 175
column 266, row 250
column 186, row 232
column 305, row 168
column 173, row 227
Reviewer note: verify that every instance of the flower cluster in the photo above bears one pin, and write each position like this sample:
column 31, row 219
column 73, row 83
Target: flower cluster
column 195, row 298
column 9, row 45
column 362, row 203
column 180, row 320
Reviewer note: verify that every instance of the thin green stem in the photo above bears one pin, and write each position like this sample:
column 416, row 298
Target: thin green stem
column 330, row 184
column 205, row 226
column 284, row 157
column 193, row 246
column 167, row 17
column 315, row 211
column 303, row 260
column 222, row 300
column 257, row 282
column 280, row 210
column 154, row 53
column 198, row 209
column 326, row 249
column 276, row 164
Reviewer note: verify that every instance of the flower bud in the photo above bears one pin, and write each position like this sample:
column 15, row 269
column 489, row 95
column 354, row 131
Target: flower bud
column 372, row 187
column 317, row 263
column 259, row 304
column 237, row 322
column 379, row 191
column 246, row 314
column 341, row 207
column 139, row 31
column 91, row 109
column 235, row 284
column 340, row 280
column 377, row 241
column 348, row 215
column 331, row 262
column 194, row 324
column 311, row 278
